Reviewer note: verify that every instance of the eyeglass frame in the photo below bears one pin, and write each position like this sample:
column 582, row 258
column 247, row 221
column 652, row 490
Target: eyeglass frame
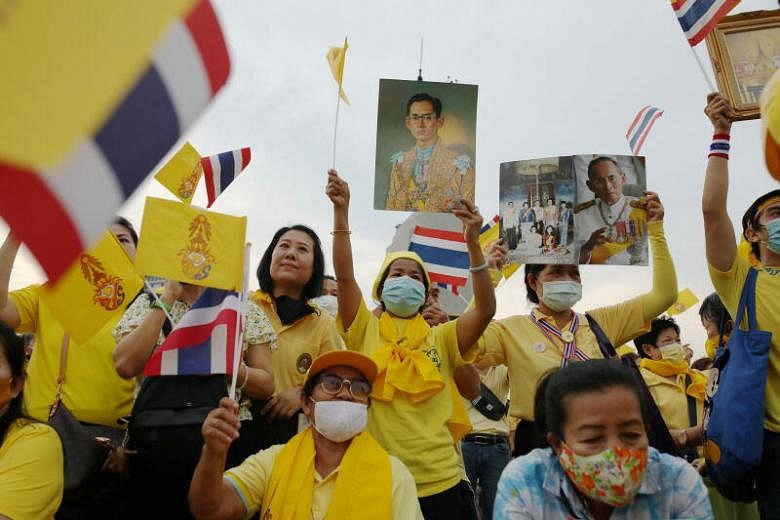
column 343, row 381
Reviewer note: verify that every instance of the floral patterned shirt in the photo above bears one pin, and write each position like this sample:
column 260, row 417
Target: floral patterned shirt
column 535, row 486
column 257, row 330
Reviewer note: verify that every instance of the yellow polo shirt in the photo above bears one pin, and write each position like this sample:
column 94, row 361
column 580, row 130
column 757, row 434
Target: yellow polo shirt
column 729, row 288
column 93, row 391
column 518, row 343
column 31, row 471
column 415, row 433
column 671, row 398
column 252, row 476
column 298, row 343
column 497, row 380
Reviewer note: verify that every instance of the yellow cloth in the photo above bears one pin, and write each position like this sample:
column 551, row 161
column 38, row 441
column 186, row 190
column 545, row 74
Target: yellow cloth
column 298, row 343
column 93, row 391
column 685, row 300
column 665, row 368
column 80, row 58
column 362, row 489
column 389, row 259
column 181, row 173
column 336, row 57
column 604, row 252
column 189, row 244
column 251, row 481
column 497, row 380
column 31, row 471
column 486, row 238
column 96, row 288
column 729, row 285
column 770, row 123
column 670, row 396
column 417, row 434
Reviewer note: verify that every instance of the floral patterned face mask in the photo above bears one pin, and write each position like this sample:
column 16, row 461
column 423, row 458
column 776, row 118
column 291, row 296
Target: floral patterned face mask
column 612, row 476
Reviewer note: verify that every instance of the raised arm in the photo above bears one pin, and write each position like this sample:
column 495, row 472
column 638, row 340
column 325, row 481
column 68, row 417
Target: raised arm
column 721, row 244
column 473, row 322
column 664, row 290
column 8, row 251
column 349, row 295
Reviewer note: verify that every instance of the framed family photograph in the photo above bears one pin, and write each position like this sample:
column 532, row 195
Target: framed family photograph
column 745, row 52
column 425, row 145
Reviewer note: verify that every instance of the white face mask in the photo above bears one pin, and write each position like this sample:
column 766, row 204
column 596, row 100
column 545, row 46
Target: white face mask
column 673, row 352
column 339, row 421
column 561, row 295
column 328, row 302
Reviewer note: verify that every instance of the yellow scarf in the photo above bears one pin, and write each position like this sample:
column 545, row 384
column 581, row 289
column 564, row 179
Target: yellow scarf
column 363, row 485
column 667, row 369
column 404, row 368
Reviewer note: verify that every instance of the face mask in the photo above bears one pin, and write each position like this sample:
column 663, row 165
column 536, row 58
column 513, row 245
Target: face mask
column 773, row 241
column 339, row 421
column 5, row 392
column 612, row 476
column 403, row 296
column 562, row 295
column 672, row 352
column 711, row 346
column 328, row 302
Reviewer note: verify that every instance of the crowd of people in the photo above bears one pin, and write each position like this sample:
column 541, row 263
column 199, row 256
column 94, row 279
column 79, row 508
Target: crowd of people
column 397, row 410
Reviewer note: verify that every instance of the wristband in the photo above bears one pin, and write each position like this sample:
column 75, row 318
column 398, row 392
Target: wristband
column 347, row 231
column 246, row 377
column 159, row 304
column 720, row 146
column 479, row 268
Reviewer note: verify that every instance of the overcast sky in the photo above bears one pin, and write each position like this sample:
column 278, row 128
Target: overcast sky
column 555, row 78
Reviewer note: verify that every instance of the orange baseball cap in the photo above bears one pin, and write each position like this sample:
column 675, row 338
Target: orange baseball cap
column 348, row 358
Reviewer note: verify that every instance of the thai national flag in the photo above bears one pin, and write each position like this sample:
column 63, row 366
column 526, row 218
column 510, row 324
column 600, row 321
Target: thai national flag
column 641, row 126
column 445, row 255
column 203, row 342
column 222, row 169
column 75, row 200
column 698, row 17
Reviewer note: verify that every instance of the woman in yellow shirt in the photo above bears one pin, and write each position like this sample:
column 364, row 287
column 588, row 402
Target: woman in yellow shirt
column 413, row 395
column 31, row 462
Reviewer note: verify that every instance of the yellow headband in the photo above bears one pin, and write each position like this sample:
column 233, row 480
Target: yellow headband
column 768, row 202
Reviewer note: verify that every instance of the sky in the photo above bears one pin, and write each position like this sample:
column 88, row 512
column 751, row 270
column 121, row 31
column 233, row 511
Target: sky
column 555, row 78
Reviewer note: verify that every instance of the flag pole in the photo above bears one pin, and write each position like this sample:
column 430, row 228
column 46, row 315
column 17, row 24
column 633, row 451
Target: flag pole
column 703, row 72
column 159, row 301
column 336, row 125
column 238, row 347
column 419, row 70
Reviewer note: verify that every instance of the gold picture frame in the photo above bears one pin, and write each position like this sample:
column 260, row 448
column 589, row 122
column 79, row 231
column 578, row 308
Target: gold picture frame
column 745, row 51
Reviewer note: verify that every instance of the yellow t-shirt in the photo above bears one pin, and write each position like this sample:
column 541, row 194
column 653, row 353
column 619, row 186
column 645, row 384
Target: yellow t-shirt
column 415, row 433
column 93, row 391
column 252, row 476
column 31, row 471
column 298, row 343
column 729, row 288
column 497, row 380
column 671, row 398
column 519, row 343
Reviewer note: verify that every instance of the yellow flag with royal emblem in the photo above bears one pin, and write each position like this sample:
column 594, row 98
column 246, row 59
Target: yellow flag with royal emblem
column 685, row 300
column 191, row 245
column 181, row 173
column 336, row 57
column 97, row 287
column 487, row 235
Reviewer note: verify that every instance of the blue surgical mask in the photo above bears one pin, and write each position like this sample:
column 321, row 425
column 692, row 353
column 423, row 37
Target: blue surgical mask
column 773, row 230
column 561, row 295
column 403, row 296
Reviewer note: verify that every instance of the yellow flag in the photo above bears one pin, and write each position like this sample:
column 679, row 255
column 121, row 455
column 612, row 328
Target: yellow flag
column 182, row 173
column 770, row 122
column 192, row 245
column 486, row 238
column 95, row 288
column 67, row 64
column 685, row 300
column 336, row 57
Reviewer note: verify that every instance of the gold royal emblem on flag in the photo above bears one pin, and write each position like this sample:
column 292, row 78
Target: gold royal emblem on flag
column 109, row 292
column 188, row 184
column 197, row 261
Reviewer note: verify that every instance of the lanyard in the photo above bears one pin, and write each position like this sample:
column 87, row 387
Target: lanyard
column 568, row 338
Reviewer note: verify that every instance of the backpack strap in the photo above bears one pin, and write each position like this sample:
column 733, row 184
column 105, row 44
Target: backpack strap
column 605, row 345
column 488, row 404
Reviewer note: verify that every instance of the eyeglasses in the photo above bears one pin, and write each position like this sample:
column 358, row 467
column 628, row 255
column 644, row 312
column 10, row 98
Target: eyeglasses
column 332, row 385
column 416, row 118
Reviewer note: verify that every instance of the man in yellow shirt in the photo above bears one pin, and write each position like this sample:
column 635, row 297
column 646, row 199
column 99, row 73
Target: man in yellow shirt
column 728, row 271
column 332, row 469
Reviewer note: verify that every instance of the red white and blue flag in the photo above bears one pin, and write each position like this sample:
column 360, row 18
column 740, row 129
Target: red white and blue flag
column 698, row 17
column 203, row 342
column 641, row 126
column 444, row 254
column 222, row 169
column 74, row 201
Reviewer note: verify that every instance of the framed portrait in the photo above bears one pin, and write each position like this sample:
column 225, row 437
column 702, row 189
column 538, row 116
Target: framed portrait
column 745, row 52
column 425, row 145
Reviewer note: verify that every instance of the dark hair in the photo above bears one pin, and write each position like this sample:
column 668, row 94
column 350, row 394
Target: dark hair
column 533, row 269
column 425, row 97
column 704, row 363
column 657, row 326
column 313, row 287
column 122, row 221
column 750, row 219
column 576, row 378
column 328, row 277
column 712, row 309
column 13, row 348
column 308, row 386
column 592, row 164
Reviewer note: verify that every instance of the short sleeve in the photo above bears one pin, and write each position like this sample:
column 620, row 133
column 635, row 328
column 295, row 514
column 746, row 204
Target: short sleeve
column 355, row 336
column 621, row 322
column 133, row 317
column 26, row 303
column 445, row 336
column 251, row 478
column 728, row 284
column 258, row 326
column 405, row 503
column 489, row 350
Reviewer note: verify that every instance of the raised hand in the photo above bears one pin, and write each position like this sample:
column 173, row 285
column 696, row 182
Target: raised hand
column 496, row 254
column 654, row 208
column 468, row 213
column 337, row 190
column 720, row 112
column 221, row 426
